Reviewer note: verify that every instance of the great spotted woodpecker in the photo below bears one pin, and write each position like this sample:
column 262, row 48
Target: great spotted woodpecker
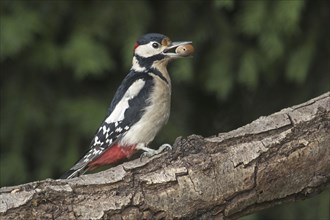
column 140, row 107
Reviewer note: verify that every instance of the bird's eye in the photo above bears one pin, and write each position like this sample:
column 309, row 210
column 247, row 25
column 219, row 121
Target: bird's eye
column 155, row 45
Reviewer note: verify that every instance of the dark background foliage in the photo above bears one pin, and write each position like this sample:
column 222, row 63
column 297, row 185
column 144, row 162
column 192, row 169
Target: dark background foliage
column 61, row 62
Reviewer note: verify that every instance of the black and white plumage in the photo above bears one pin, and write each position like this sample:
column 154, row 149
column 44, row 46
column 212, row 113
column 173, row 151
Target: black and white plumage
column 139, row 109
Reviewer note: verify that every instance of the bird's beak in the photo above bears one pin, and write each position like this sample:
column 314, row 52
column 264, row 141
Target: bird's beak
column 179, row 49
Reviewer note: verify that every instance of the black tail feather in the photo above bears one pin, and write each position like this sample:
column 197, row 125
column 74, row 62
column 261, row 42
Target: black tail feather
column 72, row 173
column 67, row 174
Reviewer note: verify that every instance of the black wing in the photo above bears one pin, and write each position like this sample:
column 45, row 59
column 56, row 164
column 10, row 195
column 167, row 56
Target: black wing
column 110, row 131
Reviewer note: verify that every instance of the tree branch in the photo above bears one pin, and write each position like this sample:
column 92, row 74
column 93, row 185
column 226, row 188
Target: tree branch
column 280, row 158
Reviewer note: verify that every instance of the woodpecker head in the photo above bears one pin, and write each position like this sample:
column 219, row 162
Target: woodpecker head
column 158, row 49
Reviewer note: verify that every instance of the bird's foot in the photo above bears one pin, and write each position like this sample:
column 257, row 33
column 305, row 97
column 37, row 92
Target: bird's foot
column 148, row 152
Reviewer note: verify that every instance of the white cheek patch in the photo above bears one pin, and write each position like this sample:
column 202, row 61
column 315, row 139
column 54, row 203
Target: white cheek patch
column 146, row 50
column 118, row 113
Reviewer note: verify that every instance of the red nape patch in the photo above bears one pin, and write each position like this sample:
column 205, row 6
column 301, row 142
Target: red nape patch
column 135, row 45
column 112, row 155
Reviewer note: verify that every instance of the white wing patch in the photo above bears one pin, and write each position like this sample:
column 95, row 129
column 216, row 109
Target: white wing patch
column 119, row 111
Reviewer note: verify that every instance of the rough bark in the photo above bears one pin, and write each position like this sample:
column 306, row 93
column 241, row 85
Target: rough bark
column 280, row 158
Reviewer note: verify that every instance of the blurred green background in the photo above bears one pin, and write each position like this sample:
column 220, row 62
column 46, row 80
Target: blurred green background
column 61, row 62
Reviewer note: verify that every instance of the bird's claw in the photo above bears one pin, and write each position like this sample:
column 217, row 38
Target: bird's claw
column 145, row 154
column 152, row 152
column 164, row 147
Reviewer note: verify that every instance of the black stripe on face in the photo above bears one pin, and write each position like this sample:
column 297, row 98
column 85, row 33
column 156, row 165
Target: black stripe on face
column 159, row 74
column 147, row 62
